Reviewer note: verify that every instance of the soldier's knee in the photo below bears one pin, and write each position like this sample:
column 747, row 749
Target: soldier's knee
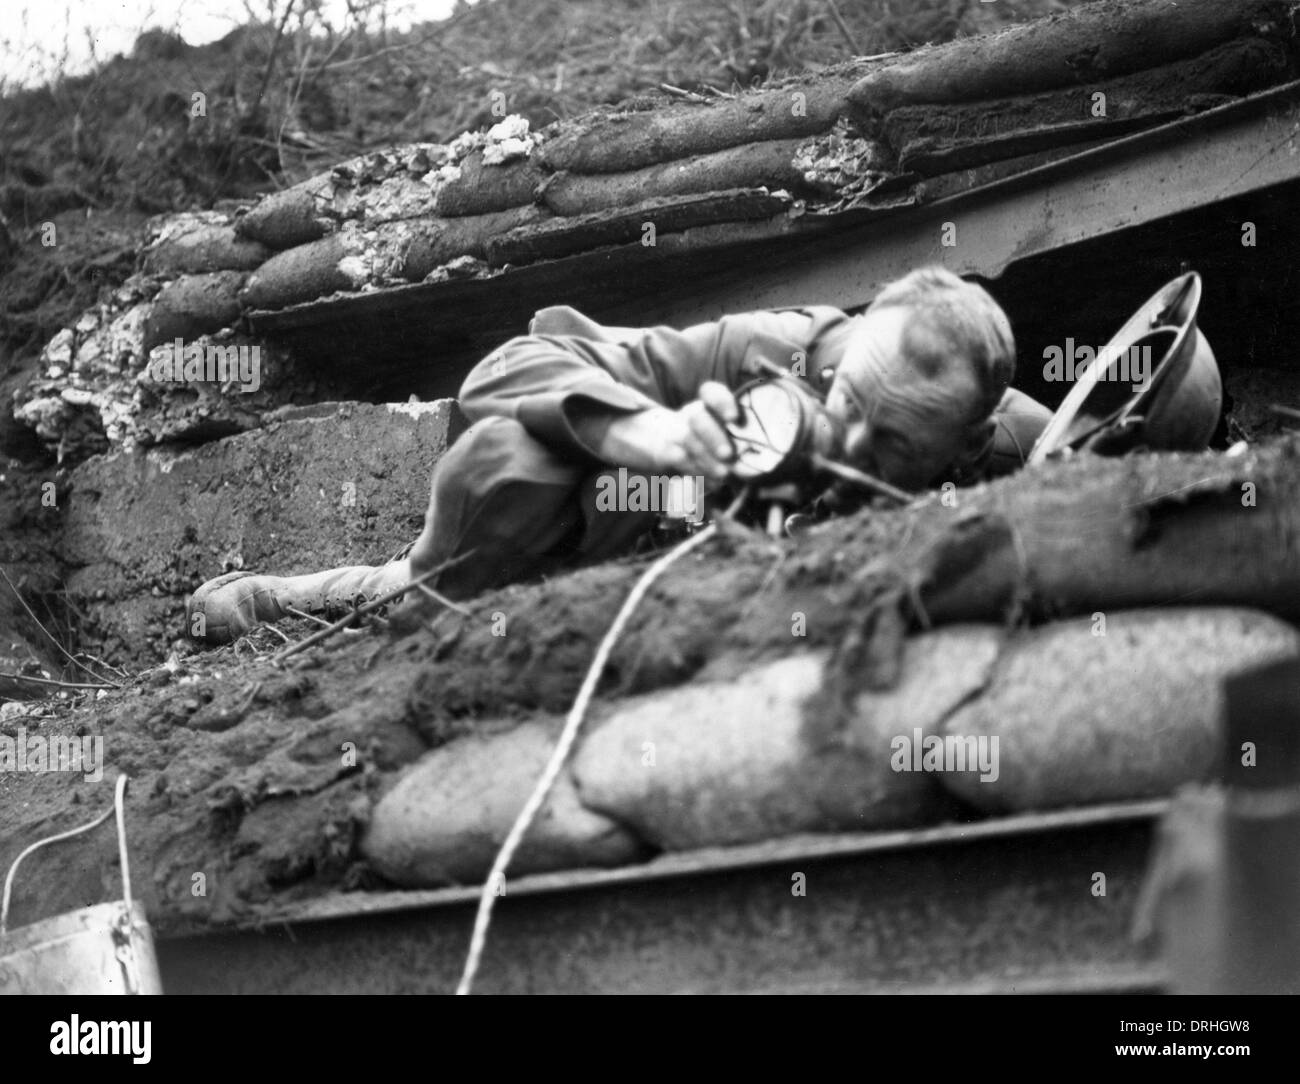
column 494, row 452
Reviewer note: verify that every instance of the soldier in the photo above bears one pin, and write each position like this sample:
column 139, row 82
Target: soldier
column 916, row 389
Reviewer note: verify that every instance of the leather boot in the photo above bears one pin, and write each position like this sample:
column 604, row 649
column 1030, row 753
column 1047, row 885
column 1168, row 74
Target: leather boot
column 230, row 606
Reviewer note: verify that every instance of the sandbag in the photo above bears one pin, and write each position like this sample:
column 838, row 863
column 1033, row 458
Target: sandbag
column 195, row 244
column 301, row 274
column 614, row 142
column 1096, row 41
column 1083, row 718
column 938, row 138
column 193, row 305
column 741, row 761
column 480, row 189
column 447, row 816
column 413, row 249
column 293, row 217
column 769, row 163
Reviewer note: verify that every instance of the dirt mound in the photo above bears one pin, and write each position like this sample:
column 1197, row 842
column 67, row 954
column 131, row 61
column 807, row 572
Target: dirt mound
column 261, row 779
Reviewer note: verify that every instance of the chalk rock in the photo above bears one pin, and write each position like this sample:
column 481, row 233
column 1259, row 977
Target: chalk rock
column 1083, row 718
column 447, row 816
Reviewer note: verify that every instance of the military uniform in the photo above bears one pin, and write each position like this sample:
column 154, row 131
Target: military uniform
column 516, row 495
column 519, row 486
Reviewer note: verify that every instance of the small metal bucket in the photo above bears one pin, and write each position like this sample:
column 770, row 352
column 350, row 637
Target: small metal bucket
column 104, row 949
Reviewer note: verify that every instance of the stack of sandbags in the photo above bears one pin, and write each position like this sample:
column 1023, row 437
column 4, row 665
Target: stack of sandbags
column 201, row 263
column 1095, row 72
column 392, row 217
column 422, row 212
column 686, row 164
column 380, row 186
column 979, row 720
column 509, row 195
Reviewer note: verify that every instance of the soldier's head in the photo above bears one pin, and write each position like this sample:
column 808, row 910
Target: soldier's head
column 920, row 377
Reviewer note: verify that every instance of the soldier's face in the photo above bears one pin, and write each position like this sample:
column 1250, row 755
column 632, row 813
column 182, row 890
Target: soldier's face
column 901, row 424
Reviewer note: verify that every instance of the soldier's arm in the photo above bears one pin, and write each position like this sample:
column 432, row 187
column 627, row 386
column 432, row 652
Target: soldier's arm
column 611, row 393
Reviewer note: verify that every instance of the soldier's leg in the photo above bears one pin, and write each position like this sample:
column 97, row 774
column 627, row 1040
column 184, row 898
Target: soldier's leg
column 507, row 503
column 504, row 502
column 496, row 491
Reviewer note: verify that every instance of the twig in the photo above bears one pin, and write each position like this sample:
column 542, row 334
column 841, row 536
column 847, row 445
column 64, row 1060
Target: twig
column 374, row 604
column 275, row 48
column 861, row 478
column 561, row 751
column 23, row 602
column 60, row 684
column 247, row 702
column 121, row 672
column 443, row 600
column 844, row 27
column 689, row 95
column 305, row 615
column 333, row 65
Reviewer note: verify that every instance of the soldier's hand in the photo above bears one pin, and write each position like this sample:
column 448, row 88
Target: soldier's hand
column 704, row 446
column 689, row 441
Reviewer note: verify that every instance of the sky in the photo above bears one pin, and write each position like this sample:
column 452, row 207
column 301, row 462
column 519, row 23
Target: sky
column 37, row 37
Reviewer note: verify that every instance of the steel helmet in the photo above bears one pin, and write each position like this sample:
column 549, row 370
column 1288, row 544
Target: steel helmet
column 1176, row 409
